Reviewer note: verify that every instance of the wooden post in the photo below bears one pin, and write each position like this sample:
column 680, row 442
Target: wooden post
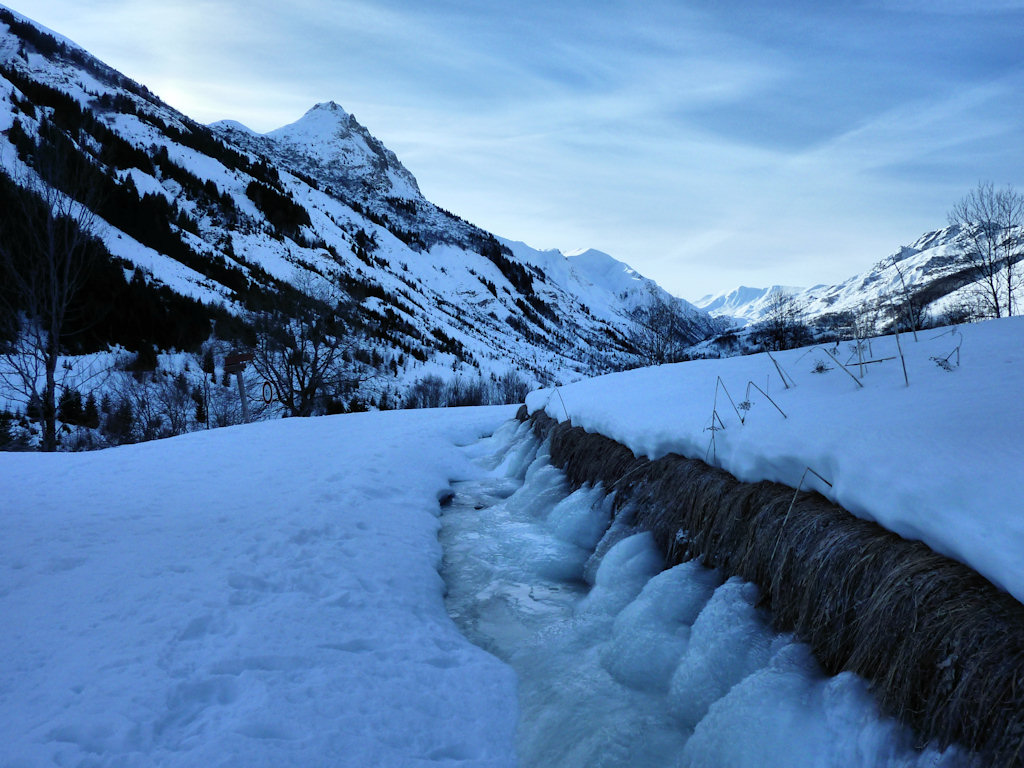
column 241, row 394
column 235, row 363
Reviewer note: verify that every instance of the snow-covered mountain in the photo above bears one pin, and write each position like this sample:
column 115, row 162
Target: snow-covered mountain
column 609, row 288
column 221, row 224
column 929, row 268
column 329, row 146
column 936, row 279
column 741, row 305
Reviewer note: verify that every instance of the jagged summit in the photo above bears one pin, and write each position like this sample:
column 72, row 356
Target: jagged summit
column 321, row 123
column 329, row 143
column 327, row 106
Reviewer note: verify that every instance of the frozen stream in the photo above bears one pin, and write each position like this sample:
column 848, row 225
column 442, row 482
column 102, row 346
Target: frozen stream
column 623, row 664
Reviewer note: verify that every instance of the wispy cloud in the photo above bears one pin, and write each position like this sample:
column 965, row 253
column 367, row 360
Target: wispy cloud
column 705, row 143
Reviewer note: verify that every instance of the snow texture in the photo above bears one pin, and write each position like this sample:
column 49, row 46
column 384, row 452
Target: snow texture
column 937, row 461
column 257, row 595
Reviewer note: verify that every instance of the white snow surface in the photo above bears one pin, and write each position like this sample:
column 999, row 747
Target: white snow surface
column 938, row 461
column 257, row 595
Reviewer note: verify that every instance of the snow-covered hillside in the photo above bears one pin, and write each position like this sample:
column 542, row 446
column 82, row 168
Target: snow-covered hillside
column 938, row 460
column 742, row 305
column 319, row 205
column 930, row 271
column 609, row 288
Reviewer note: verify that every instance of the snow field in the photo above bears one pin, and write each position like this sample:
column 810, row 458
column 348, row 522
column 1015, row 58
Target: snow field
column 938, row 461
column 621, row 663
column 257, row 595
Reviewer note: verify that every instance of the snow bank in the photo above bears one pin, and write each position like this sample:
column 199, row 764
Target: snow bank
column 258, row 595
column 938, row 461
column 941, row 646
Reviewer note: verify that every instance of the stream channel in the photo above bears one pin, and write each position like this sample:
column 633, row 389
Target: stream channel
column 621, row 663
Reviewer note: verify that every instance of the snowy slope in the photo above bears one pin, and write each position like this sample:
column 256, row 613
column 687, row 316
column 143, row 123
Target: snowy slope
column 937, row 280
column 264, row 595
column 610, row 289
column 939, row 460
column 617, row 279
column 320, row 201
column 927, row 262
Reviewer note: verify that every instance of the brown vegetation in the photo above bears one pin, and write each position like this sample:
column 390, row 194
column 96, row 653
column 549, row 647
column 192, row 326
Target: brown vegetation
column 942, row 647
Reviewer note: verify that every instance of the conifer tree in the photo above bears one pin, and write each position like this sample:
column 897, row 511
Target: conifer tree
column 90, row 414
column 69, row 409
column 197, row 397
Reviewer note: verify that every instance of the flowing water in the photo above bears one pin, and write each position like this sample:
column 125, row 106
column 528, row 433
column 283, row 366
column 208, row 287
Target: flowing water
column 621, row 663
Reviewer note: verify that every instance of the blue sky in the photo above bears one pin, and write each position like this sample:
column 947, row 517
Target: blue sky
column 707, row 143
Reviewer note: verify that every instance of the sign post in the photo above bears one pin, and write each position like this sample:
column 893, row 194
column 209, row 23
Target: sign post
column 235, row 363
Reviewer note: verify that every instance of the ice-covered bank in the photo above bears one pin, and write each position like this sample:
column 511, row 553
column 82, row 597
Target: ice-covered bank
column 261, row 595
column 621, row 663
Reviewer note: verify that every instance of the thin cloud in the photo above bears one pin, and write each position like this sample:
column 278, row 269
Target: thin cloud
column 704, row 143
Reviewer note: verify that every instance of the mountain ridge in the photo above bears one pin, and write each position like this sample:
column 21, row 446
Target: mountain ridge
column 238, row 222
column 930, row 271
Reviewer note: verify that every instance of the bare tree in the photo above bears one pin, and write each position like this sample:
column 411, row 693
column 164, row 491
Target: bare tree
column 783, row 326
column 867, row 319
column 912, row 311
column 660, row 332
column 174, row 396
column 301, row 353
column 991, row 242
column 137, row 393
column 428, row 392
column 511, row 388
column 46, row 252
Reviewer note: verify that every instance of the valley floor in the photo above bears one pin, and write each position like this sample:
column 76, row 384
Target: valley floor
column 272, row 594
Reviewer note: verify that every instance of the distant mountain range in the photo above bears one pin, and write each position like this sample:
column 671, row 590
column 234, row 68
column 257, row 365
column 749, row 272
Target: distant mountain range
column 936, row 279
